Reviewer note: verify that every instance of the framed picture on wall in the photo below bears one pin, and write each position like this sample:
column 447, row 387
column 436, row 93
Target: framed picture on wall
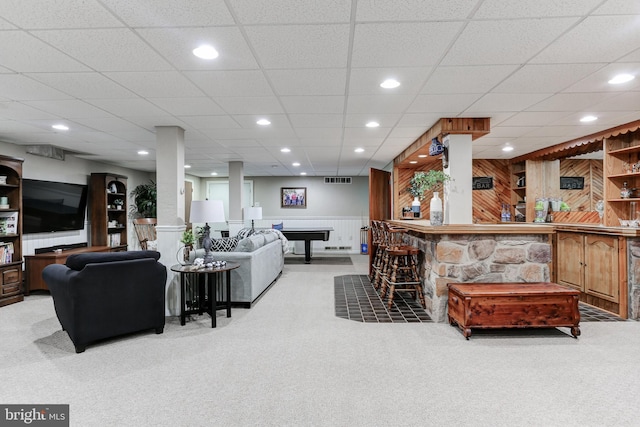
column 293, row 197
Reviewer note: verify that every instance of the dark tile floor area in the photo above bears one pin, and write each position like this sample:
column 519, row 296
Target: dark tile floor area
column 356, row 299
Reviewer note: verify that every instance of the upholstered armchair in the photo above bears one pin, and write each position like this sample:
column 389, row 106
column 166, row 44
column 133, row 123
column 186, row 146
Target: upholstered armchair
column 103, row 295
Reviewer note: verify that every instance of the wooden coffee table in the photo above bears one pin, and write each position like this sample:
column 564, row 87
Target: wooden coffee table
column 513, row 305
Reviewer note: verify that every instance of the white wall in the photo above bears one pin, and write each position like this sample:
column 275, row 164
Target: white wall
column 72, row 170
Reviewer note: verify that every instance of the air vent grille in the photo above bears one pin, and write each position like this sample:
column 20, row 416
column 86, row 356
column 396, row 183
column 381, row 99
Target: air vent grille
column 337, row 180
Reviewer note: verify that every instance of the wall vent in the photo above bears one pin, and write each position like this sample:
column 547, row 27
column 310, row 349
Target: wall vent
column 337, row 248
column 337, row 180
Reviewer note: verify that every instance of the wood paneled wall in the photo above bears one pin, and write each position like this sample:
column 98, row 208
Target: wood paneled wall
column 591, row 170
column 487, row 204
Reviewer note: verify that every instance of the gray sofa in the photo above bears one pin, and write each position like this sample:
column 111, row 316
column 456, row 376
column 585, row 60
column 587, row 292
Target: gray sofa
column 261, row 258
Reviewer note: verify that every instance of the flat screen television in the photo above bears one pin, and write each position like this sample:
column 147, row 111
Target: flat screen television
column 52, row 206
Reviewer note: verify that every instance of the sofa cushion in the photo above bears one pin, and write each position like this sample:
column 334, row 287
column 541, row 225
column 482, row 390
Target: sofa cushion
column 244, row 232
column 251, row 243
column 226, row 244
column 78, row 261
column 269, row 237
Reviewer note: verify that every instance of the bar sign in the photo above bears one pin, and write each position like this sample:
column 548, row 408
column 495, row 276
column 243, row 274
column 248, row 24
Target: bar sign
column 482, row 183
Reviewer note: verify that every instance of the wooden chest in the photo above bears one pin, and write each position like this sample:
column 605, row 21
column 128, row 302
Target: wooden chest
column 513, row 305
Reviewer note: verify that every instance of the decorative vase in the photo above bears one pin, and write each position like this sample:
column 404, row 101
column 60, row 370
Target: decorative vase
column 435, row 210
column 187, row 252
column 415, row 207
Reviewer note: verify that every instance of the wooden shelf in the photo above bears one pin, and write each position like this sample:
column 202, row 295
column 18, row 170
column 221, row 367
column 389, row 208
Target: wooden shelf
column 625, row 175
column 11, row 273
column 626, row 150
column 630, row 199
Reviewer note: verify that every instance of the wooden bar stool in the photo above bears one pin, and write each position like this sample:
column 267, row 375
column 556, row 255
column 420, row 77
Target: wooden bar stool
column 402, row 274
column 391, row 237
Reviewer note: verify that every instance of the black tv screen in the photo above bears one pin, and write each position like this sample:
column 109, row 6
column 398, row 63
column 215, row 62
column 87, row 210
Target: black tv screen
column 52, row 206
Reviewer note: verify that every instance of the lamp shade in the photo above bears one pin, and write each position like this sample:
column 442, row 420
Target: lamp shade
column 253, row 213
column 207, row 211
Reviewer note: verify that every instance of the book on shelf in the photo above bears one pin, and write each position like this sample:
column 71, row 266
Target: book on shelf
column 8, row 222
column 6, row 252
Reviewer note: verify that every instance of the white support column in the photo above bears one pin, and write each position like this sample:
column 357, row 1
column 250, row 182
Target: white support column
column 236, row 185
column 458, row 198
column 170, row 181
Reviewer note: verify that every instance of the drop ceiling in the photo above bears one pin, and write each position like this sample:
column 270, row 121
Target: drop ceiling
column 113, row 70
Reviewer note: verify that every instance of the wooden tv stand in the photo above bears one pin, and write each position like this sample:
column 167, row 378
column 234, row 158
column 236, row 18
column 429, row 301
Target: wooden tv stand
column 34, row 264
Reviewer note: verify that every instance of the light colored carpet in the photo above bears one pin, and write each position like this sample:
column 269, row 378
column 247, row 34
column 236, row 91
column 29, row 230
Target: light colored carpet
column 290, row 362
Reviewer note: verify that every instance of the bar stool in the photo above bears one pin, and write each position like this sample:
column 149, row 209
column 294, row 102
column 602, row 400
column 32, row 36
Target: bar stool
column 402, row 274
column 376, row 236
column 391, row 237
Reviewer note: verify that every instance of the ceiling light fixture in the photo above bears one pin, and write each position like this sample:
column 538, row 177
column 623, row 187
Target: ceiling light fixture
column 214, row 173
column 372, row 124
column 390, row 84
column 205, row 51
column 295, row 164
column 621, row 78
column 507, row 148
column 60, row 127
column 263, row 122
column 303, row 173
column 143, row 152
column 359, row 150
column 187, row 166
column 285, row 150
column 587, row 119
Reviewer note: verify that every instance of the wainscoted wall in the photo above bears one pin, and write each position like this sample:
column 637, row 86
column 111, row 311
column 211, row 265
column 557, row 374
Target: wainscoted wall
column 487, row 204
column 345, row 237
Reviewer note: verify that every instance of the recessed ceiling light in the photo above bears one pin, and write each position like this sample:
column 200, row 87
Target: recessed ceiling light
column 372, row 124
column 285, row 150
column 422, row 156
column 303, row 173
column 413, row 162
column 205, row 52
column 295, row 164
column 587, row 119
column 621, row 78
column 214, row 173
column 359, row 150
column 390, row 84
column 263, row 122
column 60, row 127
column 143, row 152
column 187, row 166
column 507, row 148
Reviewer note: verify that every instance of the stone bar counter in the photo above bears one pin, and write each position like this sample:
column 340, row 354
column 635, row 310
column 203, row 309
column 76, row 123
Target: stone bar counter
column 514, row 252
column 526, row 252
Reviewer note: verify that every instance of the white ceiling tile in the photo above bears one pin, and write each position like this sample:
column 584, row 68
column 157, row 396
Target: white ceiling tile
column 545, row 78
column 419, row 119
column 282, row 11
column 598, row 81
column 162, row 84
column 106, row 49
column 170, row 13
column 620, row 38
column 504, row 42
column 316, row 120
column 231, row 83
column 404, row 133
column 278, row 121
column 443, row 103
column 360, row 120
column 366, row 81
column 211, row 122
column 627, row 101
column 570, row 101
column 308, row 46
column 4, row 25
column 23, row 53
column 313, row 104
column 177, row 47
column 127, row 107
column 330, row 141
column 70, row 109
column 504, row 9
column 507, row 102
column 18, row 87
column 250, row 105
column 510, row 131
column 361, row 135
column 107, row 124
column 413, row 10
column 532, row 119
column 619, row 7
column 334, row 134
column 47, row 14
column 376, row 105
column 403, row 44
column 180, row 106
column 83, row 85
column 475, row 79
column 329, row 81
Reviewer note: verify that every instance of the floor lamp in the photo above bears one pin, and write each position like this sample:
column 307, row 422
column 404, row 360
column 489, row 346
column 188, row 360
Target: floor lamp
column 253, row 213
column 207, row 211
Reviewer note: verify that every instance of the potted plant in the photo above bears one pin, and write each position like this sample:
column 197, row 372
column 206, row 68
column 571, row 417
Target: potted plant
column 430, row 180
column 145, row 200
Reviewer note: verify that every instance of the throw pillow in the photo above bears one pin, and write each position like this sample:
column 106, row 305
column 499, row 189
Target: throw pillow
column 277, row 226
column 226, row 244
column 244, row 232
column 152, row 245
column 251, row 243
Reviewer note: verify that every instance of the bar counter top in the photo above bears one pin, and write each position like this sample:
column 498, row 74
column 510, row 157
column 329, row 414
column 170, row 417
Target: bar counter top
column 423, row 226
